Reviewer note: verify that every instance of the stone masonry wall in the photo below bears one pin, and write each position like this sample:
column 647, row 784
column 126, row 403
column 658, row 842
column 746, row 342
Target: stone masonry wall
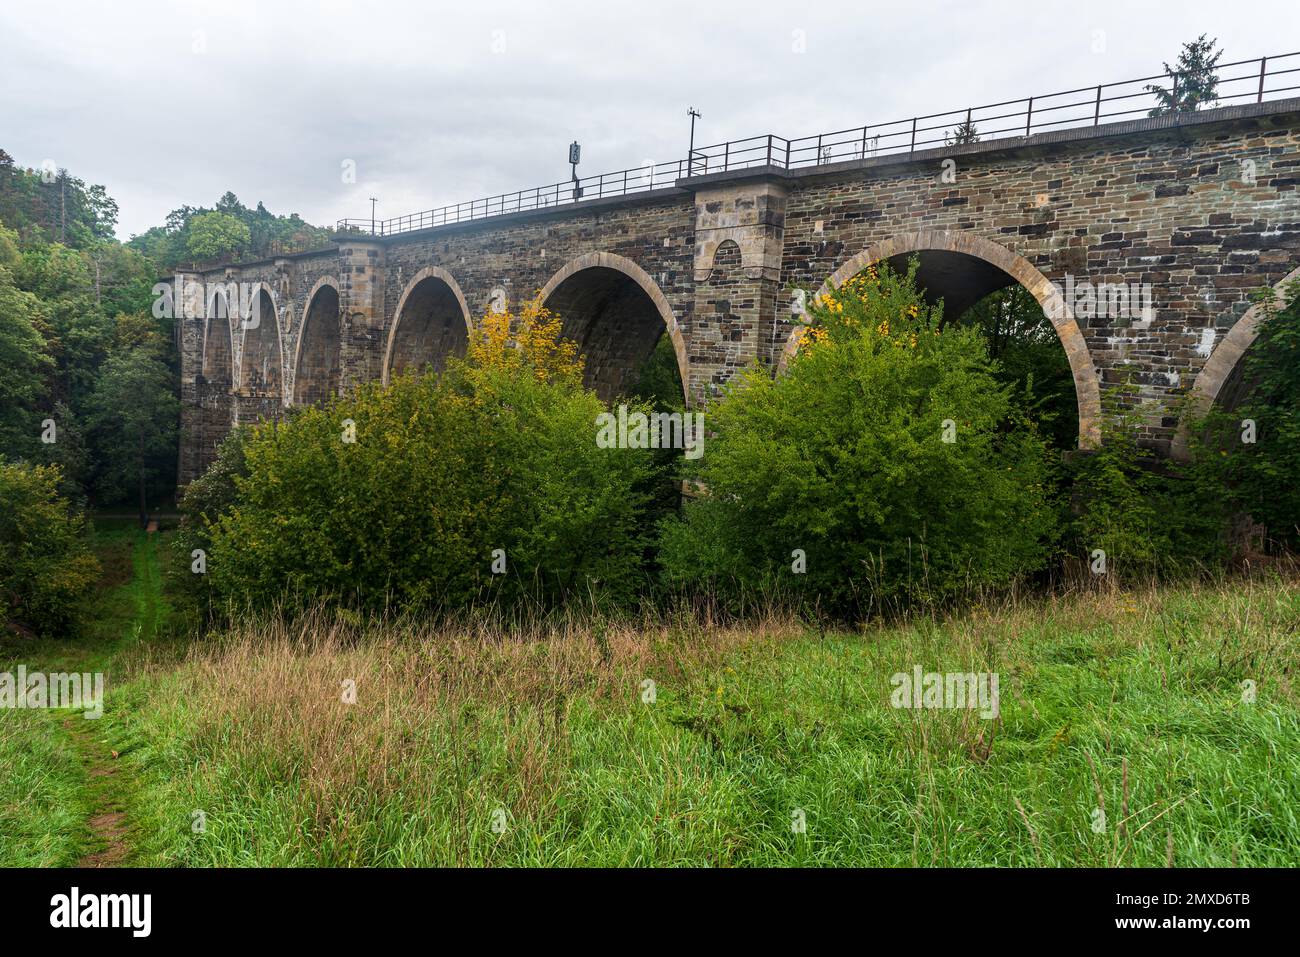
column 1176, row 210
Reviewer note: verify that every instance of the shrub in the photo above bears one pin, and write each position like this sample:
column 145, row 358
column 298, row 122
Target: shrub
column 1250, row 454
column 1024, row 344
column 1149, row 515
column 497, row 453
column 844, row 457
column 205, row 500
column 45, row 566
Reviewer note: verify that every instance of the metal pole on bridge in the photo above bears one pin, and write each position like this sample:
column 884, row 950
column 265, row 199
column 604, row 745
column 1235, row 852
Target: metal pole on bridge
column 694, row 114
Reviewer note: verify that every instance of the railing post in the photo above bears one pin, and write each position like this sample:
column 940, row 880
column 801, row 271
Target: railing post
column 1029, row 117
column 819, row 149
column 726, row 157
column 769, row 149
column 1096, row 111
column 912, row 148
column 1263, row 61
column 787, row 154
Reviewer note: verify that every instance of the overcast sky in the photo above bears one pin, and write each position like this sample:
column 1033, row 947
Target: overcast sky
column 174, row 103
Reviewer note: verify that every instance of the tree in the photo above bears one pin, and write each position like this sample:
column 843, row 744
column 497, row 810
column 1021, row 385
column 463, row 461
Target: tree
column 79, row 333
column 964, row 133
column 1194, row 76
column 1029, row 356
column 191, row 234
column 53, row 205
column 1252, row 452
column 133, row 416
column 216, row 235
column 45, row 567
column 24, row 358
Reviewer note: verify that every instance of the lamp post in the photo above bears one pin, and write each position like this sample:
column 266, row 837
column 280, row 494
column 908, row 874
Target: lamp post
column 694, row 114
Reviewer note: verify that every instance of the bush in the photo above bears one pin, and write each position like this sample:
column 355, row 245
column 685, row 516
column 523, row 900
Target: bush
column 45, row 566
column 1251, row 454
column 844, row 457
column 498, row 453
column 1143, row 513
column 205, row 500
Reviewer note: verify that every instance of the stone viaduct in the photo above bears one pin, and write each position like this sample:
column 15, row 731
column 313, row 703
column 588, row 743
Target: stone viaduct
column 1202, row 206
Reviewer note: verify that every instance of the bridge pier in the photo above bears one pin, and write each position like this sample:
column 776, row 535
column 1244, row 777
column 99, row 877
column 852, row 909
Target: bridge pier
column 361, row 272
column 190, row 328
column 739, row 239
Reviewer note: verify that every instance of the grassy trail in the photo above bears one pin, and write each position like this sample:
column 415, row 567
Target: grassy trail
column 69, row 767
column 109, row 784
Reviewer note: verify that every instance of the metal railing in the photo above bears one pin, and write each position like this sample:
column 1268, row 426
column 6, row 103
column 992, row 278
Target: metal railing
column 1244, row 81
column 640, row 179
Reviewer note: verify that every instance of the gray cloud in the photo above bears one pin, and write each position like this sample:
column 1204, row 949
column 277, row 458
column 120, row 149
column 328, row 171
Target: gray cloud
column 174, row 103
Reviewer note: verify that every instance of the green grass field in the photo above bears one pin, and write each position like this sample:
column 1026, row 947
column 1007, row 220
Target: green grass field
column 49, row 795
column 539, row 750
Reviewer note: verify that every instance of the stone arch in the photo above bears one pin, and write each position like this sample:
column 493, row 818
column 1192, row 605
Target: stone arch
column 219, row 350
column 261, row 353
column 592, row 294
column 729, row 252
column 433, row 329
column 317, row 360
column 1221, row 364
column 1086, row 386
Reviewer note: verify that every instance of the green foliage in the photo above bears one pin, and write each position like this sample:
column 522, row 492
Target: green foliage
column 1252, row 452
column 24, row 358
column 206, row 499
column 844, row 458
column 76, row 344
column 216, row 236
column 659, row 380
column 1023, row 343
column 658, row 385
column 214, row 493
column 1149, row 516
column 498, row 453
column 1115, row 492
column 52, row 206
column 133, row 418
column 965, row 132
column 71, row 297
column 1194, row 76
column 45, row 567
column 173, row 244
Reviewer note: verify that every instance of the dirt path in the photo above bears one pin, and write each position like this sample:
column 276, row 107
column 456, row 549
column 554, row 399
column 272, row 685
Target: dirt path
column 135, row 615
column 105, row 786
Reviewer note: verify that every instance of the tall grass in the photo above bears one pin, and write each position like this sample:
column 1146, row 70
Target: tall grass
column 541, row 743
